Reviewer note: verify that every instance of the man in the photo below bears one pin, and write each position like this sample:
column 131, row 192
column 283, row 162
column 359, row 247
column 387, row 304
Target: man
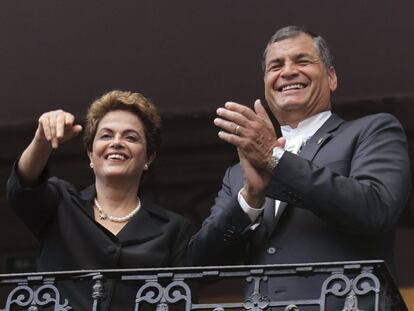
column 327, row 190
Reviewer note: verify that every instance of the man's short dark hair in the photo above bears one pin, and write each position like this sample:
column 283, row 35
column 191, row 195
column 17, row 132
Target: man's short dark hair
column 289, row 32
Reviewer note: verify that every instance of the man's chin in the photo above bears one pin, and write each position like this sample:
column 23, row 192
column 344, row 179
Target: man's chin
column 292, row 106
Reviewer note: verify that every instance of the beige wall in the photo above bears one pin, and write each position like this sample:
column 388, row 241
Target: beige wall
column 408, row 295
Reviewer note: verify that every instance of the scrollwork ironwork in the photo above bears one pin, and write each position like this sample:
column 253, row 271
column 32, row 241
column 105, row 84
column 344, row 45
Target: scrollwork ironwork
column 345, row 287
column 365, row 283
column 336, row 284
column 45, row 295
column 178, row 291
column 24, row 296
column 154, row 293
column 151, row 292
column 340, row 285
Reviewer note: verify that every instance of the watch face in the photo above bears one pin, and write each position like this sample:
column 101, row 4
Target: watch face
column 278, row 152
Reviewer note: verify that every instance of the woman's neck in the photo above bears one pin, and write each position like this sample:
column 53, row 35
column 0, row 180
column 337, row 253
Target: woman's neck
column 116, row 196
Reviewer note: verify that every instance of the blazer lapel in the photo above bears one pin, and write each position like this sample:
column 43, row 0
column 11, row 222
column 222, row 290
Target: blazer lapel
column 84, row 199
column 144, row 226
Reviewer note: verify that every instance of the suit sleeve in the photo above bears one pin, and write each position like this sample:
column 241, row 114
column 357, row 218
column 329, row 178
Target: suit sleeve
column 35, row 206
column 223, row 237
column 370, row 199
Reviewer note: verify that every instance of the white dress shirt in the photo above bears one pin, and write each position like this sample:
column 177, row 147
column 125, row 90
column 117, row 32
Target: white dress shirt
column 295, row 139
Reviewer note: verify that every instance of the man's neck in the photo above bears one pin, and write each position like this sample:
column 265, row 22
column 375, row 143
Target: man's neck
column 306, row 128
column 293, row 119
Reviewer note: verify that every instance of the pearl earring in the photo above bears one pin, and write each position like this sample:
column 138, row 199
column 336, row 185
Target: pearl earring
column 146, row 167
column 91, row 164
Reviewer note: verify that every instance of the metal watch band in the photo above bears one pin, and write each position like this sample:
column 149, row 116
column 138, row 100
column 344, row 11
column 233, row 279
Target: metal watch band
column 275, row 158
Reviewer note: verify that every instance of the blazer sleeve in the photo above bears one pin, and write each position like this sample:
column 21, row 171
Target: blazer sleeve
column 370, row 199
column 223, row 236
column 179, row 257
column 35, row 206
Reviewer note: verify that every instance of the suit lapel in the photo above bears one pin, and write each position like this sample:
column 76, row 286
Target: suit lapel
column 308, row 152
column 280, row 210
column 269, row 216
column 270, row 220
column 320, row 138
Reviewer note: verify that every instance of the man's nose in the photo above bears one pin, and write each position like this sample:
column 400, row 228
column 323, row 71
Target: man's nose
column 289, row 70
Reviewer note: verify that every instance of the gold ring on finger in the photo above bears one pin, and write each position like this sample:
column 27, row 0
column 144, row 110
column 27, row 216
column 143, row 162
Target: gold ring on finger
column 237, row 130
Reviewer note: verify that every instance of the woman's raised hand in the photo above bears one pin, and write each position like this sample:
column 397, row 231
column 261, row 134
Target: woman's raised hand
column 57, row 127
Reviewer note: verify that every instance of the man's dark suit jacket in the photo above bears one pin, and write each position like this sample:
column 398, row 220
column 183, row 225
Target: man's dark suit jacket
column 62, row 218
column 344, row 194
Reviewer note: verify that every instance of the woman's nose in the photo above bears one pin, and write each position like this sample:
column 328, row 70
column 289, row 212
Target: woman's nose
column 116, row 142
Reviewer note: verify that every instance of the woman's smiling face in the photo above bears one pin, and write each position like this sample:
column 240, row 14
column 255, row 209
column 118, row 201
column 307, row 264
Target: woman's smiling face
column 119, row 148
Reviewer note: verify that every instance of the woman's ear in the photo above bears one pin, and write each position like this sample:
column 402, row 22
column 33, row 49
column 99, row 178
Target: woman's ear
column 90, row 158
column 150, row 160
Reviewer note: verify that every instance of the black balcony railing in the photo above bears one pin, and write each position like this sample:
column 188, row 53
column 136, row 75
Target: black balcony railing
column 346, row 283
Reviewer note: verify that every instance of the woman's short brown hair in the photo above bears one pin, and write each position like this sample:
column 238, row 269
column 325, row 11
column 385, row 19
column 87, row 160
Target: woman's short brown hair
column 135, row 103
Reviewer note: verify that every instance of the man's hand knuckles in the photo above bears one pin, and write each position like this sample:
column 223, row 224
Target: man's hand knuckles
column 245, row 145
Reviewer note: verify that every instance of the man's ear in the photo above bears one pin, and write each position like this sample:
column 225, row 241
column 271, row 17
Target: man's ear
column 332, row 78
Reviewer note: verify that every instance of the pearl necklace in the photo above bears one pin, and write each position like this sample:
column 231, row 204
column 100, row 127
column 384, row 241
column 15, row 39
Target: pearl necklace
column 103, row 215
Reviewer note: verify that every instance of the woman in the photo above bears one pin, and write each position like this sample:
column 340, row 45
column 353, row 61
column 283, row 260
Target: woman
column 107, row 225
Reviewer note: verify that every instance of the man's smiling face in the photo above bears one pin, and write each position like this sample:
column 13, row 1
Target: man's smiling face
column 297, row 84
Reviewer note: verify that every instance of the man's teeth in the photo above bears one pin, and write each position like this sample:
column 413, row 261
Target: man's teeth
column 292, row 86
column 117, row 156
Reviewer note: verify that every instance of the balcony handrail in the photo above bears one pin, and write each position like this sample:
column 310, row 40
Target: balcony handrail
column 358, row 279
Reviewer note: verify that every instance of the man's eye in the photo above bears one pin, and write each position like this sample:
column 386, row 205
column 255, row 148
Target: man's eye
column 274, row 68
column 304, row 62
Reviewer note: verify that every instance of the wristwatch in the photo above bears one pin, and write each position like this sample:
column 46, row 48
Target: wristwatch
column 275, row 158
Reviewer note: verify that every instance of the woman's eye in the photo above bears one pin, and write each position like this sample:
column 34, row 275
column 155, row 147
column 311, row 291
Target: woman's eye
column 105, row 136
column 131, row 138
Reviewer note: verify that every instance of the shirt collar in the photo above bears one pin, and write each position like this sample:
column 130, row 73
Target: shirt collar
column 306, row 128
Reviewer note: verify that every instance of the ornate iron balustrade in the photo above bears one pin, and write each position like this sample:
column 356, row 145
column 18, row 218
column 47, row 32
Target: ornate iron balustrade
column 345, row 282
